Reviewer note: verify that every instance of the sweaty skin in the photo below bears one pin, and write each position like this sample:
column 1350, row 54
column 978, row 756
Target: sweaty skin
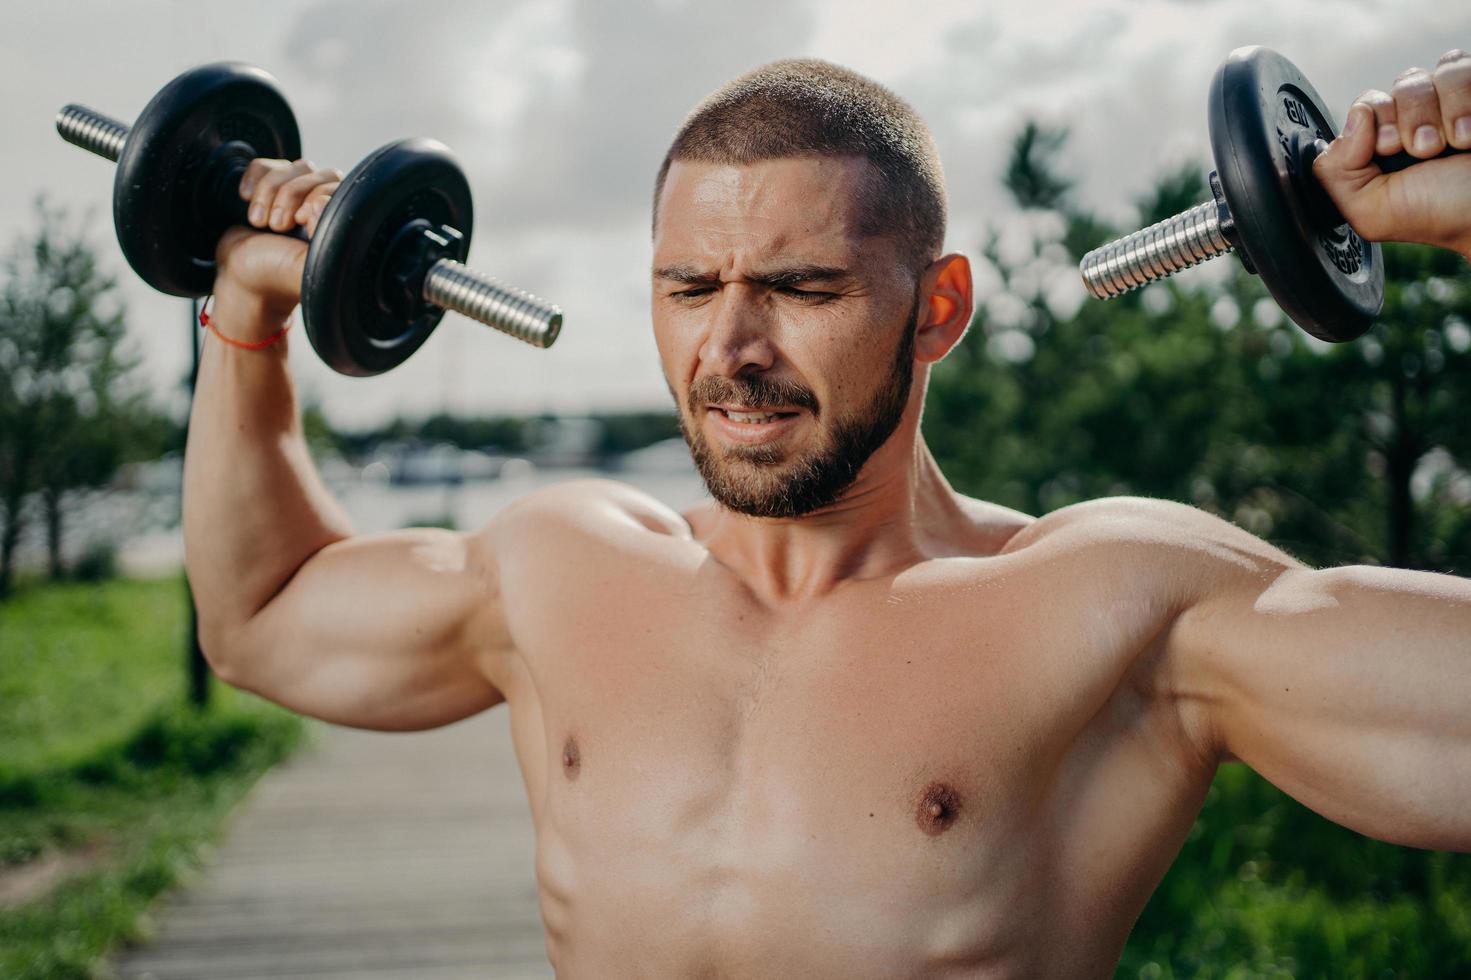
column 911, row 734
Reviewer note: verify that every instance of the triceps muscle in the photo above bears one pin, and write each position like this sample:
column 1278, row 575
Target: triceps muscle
column 1350, row 689
column 383, row 631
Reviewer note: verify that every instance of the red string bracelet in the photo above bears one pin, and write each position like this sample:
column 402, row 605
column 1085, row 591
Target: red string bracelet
column 205, row 321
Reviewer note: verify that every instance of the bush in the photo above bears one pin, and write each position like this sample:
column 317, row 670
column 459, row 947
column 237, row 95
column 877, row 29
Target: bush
column 98, row 563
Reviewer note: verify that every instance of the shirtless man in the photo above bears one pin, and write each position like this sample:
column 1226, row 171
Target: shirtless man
column 842, row 721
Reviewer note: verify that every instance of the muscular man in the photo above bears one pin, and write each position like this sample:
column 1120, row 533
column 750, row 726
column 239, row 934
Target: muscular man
column 841, row 721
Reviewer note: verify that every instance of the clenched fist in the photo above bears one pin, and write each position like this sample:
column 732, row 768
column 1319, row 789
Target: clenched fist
column 258, row 282
column 1422, row 114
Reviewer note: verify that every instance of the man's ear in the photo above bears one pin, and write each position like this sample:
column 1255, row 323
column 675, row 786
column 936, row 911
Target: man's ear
column 946, row 301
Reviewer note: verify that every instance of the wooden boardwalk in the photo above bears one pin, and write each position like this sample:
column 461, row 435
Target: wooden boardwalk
column 367, row 856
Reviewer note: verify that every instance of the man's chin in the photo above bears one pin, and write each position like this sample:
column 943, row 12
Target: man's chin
column 761, row 482
column 783, row 477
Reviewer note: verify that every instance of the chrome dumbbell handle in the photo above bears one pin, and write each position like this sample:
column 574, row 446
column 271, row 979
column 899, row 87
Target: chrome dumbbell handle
column 513, row 312
column 1162, row 249
column 92, row 131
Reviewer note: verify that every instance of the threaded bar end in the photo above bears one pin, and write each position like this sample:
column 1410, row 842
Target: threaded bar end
column 1160, row 250
column 526, row 317
column 92, row 131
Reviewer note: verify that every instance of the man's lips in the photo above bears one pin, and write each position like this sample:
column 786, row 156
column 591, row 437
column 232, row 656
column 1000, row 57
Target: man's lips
column 745, row 425
column 739, row 409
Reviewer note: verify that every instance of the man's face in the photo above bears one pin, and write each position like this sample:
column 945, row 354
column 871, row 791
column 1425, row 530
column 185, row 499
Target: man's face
column 785, row 335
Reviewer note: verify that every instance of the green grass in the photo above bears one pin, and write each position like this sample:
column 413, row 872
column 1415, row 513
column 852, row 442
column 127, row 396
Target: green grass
column 98, row 750
column 1264, row 888
column 82, row 665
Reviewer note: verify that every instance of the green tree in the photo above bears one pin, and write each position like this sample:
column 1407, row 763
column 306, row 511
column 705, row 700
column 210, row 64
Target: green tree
column 64, row 400
column 1031, row 175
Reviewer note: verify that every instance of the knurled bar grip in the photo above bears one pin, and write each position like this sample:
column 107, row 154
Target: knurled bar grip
column 513, row 312
column 1162, row 249
column 92, row 131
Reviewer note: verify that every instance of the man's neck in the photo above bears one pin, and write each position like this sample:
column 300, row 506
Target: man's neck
column 892, row 517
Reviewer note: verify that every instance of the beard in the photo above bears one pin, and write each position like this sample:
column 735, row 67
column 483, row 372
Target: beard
column 761, row 481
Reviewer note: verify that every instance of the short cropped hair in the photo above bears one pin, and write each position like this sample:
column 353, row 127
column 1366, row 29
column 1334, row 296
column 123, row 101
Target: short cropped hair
column 807, row 107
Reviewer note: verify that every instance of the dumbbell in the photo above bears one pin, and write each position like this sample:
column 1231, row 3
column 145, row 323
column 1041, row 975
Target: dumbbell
column 1267, row 126
column 386, row 259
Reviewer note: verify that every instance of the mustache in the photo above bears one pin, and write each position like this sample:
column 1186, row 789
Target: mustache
column 755, row 392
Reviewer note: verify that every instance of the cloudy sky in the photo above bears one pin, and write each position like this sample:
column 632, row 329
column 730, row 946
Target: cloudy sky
column 560, row 111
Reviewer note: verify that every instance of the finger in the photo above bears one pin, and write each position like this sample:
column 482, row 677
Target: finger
column 315, row 204
column 1386, row 133
column 262, row 201
column 1452, row 78
column 289, row 196
column 254, row 171
column 1353, row 148
column 316, row 195
column 1417, row 113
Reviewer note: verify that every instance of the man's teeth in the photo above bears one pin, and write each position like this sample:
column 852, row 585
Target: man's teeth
column 751, row 416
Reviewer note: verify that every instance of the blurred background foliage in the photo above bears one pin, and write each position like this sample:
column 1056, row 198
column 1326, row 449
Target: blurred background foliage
column 67, row 405
column 1197, row 389
column 1204, row 393
column 112, row 785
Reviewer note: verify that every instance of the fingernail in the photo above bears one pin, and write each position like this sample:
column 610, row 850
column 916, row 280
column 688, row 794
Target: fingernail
column 1463, row 130
column 247, row 188
column 1426, row 139
column 1355, row 120
column 276, row 216
column 257, row 214
column 1388, row 137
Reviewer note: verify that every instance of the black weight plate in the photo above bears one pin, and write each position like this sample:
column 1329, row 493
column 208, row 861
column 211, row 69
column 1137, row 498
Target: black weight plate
column 348, row 320
column 1328, row 280
column 163, row 234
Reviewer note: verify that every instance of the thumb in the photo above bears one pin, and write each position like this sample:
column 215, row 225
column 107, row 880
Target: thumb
column 1353, row 149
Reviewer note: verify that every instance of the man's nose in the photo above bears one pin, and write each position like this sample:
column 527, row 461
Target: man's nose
column 738, row 339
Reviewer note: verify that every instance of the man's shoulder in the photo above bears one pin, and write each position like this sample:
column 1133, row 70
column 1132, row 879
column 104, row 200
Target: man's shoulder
column 589, row 508
column 1147, row 528
column 990, row 527
column 1113, row 516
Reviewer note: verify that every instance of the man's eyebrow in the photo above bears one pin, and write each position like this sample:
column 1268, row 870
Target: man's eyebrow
column 686, row 274
column 800, row 273
column 775, row 278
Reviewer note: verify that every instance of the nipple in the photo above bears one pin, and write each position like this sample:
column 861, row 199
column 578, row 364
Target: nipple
column 938, row 808
column 571, row 758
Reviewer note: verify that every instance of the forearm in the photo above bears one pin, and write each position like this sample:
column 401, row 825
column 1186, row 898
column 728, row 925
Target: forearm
column 255, row 508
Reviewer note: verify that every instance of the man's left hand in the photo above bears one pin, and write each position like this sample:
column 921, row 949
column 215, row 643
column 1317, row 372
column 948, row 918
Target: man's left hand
column 1423, row 113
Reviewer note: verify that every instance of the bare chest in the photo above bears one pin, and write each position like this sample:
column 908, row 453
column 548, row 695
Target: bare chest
column 882, row 769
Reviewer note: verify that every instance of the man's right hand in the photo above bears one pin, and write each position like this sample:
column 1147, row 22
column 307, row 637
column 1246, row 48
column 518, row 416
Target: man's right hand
column 258, row 276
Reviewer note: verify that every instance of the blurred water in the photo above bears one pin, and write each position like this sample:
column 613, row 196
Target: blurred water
column 143, row 522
